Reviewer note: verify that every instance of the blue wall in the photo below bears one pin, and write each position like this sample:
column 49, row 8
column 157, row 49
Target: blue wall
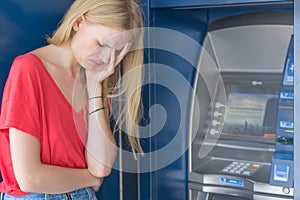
column 24, row 26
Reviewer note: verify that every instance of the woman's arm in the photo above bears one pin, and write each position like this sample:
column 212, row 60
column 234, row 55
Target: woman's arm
column 34, row 176
column 101, row 146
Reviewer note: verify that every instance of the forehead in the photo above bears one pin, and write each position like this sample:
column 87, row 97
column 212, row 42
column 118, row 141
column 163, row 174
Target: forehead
column 112, row 37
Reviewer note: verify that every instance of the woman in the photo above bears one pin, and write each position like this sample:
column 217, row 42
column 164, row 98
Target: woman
column 55, row 138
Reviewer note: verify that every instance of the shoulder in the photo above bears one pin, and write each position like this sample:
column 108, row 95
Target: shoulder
column 27, row 59
column 29, row 63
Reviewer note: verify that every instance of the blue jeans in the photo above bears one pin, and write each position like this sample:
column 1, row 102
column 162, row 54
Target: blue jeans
column 81, row 194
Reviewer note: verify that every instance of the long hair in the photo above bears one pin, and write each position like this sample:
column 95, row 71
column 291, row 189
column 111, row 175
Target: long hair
column 116, row 14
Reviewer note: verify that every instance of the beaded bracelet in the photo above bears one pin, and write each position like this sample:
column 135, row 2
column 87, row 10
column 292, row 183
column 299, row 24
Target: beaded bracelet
column 102, row 108
column 96, row 97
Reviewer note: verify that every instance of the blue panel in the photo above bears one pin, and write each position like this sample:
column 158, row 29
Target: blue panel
column 145, row 7
column 189, row 22
column 170, row 182
column 219, row 13
column 207, row 3
column 110, row 187
column 173, row 177
column 145, row 187
column 145, row 178
column 297, row 101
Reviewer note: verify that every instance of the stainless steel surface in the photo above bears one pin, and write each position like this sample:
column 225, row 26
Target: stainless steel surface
column 265, row 197
column 204, row 190
column 267, row 188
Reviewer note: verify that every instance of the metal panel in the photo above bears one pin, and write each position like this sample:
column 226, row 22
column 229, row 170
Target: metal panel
column 267, row 49
column 297, row 99
column 207, row 3
column 264, row 35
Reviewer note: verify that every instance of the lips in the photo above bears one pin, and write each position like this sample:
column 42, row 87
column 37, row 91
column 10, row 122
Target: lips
column 95, row 62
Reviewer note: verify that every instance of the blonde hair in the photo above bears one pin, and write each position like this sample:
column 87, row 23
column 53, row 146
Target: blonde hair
column 116, row 14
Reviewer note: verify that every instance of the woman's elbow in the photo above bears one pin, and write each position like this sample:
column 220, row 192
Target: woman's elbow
column 100, row 171
column 27, row 183
column 97, row 168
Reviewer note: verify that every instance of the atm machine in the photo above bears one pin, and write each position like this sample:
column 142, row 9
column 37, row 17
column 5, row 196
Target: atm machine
column 243, row 101
column 231, row 114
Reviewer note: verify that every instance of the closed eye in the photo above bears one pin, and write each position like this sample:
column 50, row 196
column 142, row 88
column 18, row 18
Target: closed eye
column 101, row 45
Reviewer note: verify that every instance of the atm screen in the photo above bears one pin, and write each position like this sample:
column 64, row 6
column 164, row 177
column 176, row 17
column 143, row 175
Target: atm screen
column 251, row 112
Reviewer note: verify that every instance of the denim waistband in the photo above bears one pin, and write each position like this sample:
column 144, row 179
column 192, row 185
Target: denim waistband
column 81, row 194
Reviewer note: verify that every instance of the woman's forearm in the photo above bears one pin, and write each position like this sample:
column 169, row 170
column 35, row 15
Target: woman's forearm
column 55, row 180
column 101, row 146
column 34, row 176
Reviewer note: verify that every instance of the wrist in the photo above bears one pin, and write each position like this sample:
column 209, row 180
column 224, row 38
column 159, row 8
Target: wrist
column 95, row 103
column 94, row 90
column 95, row 97
column 96, row 110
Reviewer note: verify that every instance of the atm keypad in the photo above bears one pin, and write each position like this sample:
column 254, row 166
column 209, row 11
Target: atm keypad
column 241, row 168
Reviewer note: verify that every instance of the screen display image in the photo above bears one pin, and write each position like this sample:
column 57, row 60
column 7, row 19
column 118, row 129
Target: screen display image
column 289, row 72
column 251, row 112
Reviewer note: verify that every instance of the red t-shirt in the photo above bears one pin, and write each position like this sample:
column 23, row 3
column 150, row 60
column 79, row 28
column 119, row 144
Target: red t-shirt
column 33, row 103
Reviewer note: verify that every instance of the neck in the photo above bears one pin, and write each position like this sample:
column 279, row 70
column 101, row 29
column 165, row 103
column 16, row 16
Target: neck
column 62, row 56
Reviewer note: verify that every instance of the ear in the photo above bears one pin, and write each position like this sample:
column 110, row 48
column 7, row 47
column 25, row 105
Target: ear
column 78, row 22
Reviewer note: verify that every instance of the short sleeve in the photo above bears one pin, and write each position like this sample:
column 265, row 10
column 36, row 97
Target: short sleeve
column 21, row 97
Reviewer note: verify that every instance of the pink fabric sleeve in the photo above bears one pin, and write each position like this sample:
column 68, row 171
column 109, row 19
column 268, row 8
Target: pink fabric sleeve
column 21, row 103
